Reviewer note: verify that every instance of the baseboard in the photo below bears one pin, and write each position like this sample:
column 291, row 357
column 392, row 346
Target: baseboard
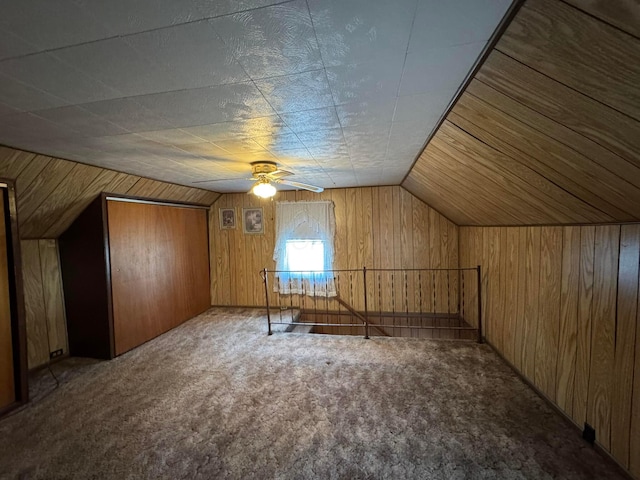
column 48, row 364
column 578, row 428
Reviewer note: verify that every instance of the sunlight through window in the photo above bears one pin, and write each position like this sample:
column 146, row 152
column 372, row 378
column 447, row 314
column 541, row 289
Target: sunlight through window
column 305, row 255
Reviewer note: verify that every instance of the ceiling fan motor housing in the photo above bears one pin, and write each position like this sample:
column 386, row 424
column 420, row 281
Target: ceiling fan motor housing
column 263, row 167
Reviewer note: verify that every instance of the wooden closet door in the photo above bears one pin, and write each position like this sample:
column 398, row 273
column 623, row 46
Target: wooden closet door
column 7, row 380
column 159, row 269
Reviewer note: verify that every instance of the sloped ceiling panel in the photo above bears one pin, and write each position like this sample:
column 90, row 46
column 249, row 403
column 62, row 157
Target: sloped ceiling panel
column 52, row 192
column 548, row 131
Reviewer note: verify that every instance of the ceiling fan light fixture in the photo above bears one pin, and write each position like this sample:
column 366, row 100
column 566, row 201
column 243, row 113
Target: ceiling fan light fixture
column 264, row 190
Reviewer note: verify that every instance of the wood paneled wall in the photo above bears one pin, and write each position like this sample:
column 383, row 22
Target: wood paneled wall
column 376, row 227
column 561, row 304
column 52, row 192
column 547, row 131
column 159, row 269
column 44, row 302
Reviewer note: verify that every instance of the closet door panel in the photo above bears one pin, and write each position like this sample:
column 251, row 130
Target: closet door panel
column 7, row 381
column 159, row 269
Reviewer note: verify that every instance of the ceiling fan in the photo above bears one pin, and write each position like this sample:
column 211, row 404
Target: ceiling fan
column 265, row 173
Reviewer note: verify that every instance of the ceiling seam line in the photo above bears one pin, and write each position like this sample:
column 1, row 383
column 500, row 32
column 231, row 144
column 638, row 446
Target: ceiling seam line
column 555, row 139
column 126, row 35
column 602, row 20
column 544, row 197
column 568, row 86
column 489, row 47
column 333, row 100
column 489, row 179
column 543, row 176
column 506, row 94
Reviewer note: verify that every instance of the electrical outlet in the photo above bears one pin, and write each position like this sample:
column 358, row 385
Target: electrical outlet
column 55, row 354
column 589, row 433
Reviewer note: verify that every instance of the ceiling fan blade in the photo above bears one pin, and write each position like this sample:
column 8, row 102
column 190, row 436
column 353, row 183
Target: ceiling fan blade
column 224, row 180
column 279, row 174
column 303, row 186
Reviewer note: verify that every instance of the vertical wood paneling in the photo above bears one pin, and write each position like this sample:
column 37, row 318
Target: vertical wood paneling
column 549, row 309
column 44, row 302
column 576, row 335
column 603, row 339
column 377, row 227
column 511, row 292
column 570, row 283
column 35, row 311
column 52, row 292
column 625, row 334
column 159, row 269
column 585, row 321
column 634, row 441
column 531, row 305
column 520, row 299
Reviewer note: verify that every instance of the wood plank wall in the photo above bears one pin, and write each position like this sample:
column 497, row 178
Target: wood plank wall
column 561, row 304
column 51, row 193
column 168, row 245
column 44, row 302
column 376, row 227
column 547, row 131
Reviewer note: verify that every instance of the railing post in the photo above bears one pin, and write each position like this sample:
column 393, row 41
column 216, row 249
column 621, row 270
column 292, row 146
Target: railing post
column 366, row 308
column 479, row 305
column 266, row 297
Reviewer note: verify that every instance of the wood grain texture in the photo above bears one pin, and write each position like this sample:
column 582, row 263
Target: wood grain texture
column 634, row 434
column 13, row 161
column 53, row 206
column 575, row 333
column 624, row 14
column 570, row 283
column 377, row 227
column 580, row 113
column 625, row 335
column 36, row 315
column 577, row 50
column 546, row 132
column 7, row 379
column 510, row 289
column 52, row 192
column 603, row 332
column 159, row 269
column 584, row 153
column 53, row 297
column 562, row 165
column 549, row 310
column 585, row 322
column 531, row 301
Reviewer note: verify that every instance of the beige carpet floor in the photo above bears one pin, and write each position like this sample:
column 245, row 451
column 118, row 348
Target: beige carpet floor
column 218, row 398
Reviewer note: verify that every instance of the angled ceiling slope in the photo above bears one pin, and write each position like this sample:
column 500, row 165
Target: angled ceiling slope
column 341, row 92
column 548, row 131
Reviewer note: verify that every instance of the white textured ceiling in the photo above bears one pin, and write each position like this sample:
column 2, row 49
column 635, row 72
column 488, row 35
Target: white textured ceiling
column 341, row 92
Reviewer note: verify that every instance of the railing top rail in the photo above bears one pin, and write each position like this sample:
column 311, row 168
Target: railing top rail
column 307, row 272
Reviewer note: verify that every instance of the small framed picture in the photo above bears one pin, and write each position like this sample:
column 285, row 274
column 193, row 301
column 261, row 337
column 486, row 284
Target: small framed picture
column 252, row 221
column 227, row 218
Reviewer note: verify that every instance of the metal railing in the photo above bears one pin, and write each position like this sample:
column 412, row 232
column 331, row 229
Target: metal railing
column 393, row 302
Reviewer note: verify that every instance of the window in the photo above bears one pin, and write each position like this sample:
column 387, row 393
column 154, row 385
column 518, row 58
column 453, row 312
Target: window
column 304, row 248
column 305, row 256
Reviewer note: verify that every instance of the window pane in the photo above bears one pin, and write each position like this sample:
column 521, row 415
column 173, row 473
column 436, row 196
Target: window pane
column 305, row 255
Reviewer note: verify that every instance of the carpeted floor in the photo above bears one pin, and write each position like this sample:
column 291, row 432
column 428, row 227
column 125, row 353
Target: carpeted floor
column 218, row 398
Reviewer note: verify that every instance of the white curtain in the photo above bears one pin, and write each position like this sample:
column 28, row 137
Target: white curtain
column 304, row 221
